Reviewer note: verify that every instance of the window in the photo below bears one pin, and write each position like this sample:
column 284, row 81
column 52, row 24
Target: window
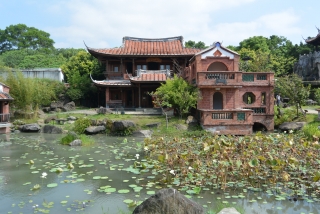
column 263, row 98
column 142, row 67
column 249, row 98
column 115, row 68
column 163, row 67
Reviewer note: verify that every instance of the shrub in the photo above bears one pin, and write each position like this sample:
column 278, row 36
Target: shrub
column 81, row 124
column 67, row 139
column 311, row 130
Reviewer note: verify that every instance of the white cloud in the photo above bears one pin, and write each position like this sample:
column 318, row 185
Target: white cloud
column 98, row 22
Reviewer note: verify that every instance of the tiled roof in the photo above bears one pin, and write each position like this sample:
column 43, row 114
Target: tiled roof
column 113, row 82
column 172, row 46
column 5, row 96
column 314, row 40
column 150, row 77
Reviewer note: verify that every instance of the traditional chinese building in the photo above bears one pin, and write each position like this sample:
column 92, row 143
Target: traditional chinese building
column 232, row 101
column 5, row 98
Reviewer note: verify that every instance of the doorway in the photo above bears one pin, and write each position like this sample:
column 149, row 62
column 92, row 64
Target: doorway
column 217, row 100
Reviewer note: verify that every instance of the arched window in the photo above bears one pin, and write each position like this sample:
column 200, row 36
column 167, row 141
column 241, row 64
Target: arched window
column 217, row 66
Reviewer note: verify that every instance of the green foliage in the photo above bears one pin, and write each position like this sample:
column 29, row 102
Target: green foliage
column 67, row 139
column 43, row 58
column 291, row 86
column 21, row 36
column 77, row 71
column 311, row 130
column 179, row 94
column 86, row 140
column 317, row 95
column 81, row 124
column 29, row 93
column 193, row 44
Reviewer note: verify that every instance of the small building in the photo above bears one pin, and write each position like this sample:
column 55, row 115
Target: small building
column 232, row 101
column 47, row 73
column 5, row 98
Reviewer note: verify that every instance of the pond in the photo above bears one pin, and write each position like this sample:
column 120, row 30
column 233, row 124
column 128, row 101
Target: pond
column 36, row 177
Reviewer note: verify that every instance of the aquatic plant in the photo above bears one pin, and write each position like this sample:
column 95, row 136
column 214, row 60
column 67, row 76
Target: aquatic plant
column 259, row 162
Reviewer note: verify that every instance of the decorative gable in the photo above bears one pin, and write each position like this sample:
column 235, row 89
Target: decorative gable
column 218, row 51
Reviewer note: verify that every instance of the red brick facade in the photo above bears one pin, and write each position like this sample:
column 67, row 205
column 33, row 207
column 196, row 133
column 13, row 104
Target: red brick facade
column 232, row 101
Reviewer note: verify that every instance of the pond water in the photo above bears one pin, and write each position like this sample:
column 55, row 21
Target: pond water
column 102, row 180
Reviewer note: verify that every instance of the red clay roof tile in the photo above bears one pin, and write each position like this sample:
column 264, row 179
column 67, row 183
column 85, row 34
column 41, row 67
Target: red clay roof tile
column 140, row 46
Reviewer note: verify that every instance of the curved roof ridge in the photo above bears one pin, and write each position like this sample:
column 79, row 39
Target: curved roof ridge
column 153, row 39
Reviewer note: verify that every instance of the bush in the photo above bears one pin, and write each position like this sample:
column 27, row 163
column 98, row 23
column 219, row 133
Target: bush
column 81, row 124
column 67, row 139
column 311, row 130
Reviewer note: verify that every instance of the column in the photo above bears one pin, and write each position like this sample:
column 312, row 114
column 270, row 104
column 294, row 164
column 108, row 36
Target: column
column 107, row 97
column 139, row 96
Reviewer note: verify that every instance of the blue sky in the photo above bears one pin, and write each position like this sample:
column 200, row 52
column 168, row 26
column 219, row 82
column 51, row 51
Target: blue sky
column 103, row 23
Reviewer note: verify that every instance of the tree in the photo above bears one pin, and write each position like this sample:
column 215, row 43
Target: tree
column 77, row 71
column 179, row 94
column 291, row 86
column 21, row 36
column 193, row 44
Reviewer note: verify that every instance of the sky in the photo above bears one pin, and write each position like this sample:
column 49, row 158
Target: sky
column 103, row 23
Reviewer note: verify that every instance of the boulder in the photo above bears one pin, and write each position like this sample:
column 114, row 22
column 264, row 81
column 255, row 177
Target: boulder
column 50, row 129
column 103, row 110
column 168, row 201
column 55, row 105
column 71, row 118
column 142, row 133
column 33, row 127
column 229, row 210
column 287, row 126
column 122, row 125
column 76, row 142
column 69, row 106
column 95, row 129
column 191, row 120
column 46, row 109
column 49, row 119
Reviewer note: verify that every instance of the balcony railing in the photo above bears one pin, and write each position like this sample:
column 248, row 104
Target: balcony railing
column 4, row 118
column 225, row 116
column 234, row 78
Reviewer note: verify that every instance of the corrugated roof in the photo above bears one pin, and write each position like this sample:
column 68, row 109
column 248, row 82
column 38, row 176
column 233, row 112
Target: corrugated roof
column 148, row 47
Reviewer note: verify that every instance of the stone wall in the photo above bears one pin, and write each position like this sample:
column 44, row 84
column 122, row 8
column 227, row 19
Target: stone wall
column 308, row 66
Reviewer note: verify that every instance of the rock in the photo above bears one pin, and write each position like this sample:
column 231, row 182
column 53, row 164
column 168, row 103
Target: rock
column 191, row 120
column 153, row 125
column 103, row 110
column 168, row 201
column 49, row 119
column 287, row 126
column 229, row 210
column 30, row 128
column 181, row 127
column 72, row 118
column 142, row 133
column 95, row 129
column 76, row 142
column 50, row 129
column 121, row 125
column 55, row 105
column 69, row 106
column 46, row 109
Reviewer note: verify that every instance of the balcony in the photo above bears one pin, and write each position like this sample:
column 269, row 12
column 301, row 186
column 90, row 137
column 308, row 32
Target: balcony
column 227, row 121
column 233, row 79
